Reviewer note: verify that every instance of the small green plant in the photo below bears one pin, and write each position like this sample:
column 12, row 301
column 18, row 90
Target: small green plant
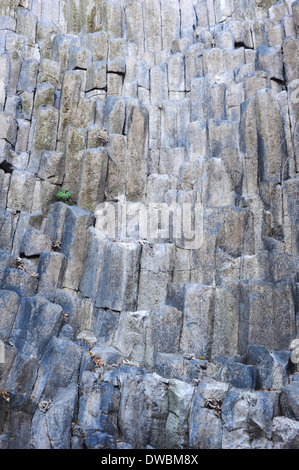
column 64, row 195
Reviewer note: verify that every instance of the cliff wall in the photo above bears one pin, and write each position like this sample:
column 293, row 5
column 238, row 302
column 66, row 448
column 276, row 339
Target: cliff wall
column 155, row 304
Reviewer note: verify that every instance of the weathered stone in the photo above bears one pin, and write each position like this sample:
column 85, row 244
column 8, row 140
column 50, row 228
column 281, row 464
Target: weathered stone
column 130, row 336
column 230, row 238
column 51, row 270
column 8, row 126
column 117, row 167
column 117, row 288
column 197, row 304
column 75, row 144
column 114, row 18
column 205, row 428
column 180, row 395
column 270, row 60
column 79, row 58
column 97, row 43
column 93, row 177
column 132, row 104
column 157, row 188
column 226, row 325
column 115, row 111
column 26, row 25
column 55, row 220
column 289, row 400
column 263, row 408
column 96, row 137
column 27, row 101
column 69, row 100
column 57, row 421
column 94, row 262
column 159, row 83
column 21, row 190
column 169, row 115
column 290, row 214
column 45, row 33
column 74, row 238
column 9, row 305
column 152, row 409
column 22, row 375
column 24, row 222
column 60, row 51
column 134, row 23
column 285, row 433
column 171, row 158
column 200, row 106
column 234, row 97
column 22, row 137
column 176, row 73
column 155, row 271
column 290, row 50
column 295, row 11
column 37, row 321
column 35, row 242
column 85, row 115
column 105, row 324
column 271, row 136
column 105, row 400
column 13, row 106
column 264, row 330
column 4, row 76
column 78, row 313
column 193, row 64
column 164, row 329
column 45, row 135
column 114, row 84
column 275, row 35
column 137, row 152
column 142, row 334
column 28, row 76
column 235, row 409
column 152, row 25
column 44, row 195
column 8, row 23
column 60, row 365
column 170, row 22
column 18, row 416
column 44, row 96
column 4, row 187
column 235, row 373
column 254, row 82
column 222, row 135
column 51, row 166
column 96, row 76
column 213, row 61
column 49, row 72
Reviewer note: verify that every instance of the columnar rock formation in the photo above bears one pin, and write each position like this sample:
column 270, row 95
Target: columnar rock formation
column 115, row 337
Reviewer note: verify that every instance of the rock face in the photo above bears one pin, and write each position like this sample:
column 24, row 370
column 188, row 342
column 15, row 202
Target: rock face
column 155, row 304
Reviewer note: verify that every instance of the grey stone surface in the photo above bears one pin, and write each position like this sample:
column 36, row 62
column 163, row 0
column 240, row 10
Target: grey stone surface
column 289, row 400
column 34, row 242
column 120, row 269
column 92, row 188
column 113, row 339
column 37, row 321
column 19, row 281
column 74, row 238
column 285, row 433
column 10, row 303
column 51, row 167
column 51, row 268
